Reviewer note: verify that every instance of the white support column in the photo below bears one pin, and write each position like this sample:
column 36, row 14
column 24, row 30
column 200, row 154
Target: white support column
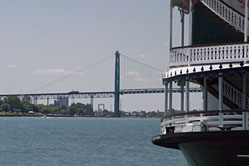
column 183, row 21
column 246, row 30
column 190, row 23
column 187, row 95
column 182, row 97
column 166, row 99
column 245, row 124
column 181, row 83
column 171, row 25
column 190, row 30
column 220, row 98
column 220, row 91
column 246, row 22
column 170, row 96
column 205, row 94
column 244, row 92
column 245, row 60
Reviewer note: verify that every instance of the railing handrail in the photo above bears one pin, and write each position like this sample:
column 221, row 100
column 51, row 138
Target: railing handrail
column 209, row 54
column 209, row 45
column 232, row 8
column 205, row 112
column 232, row 94
column 197, row 121
column 227, row 13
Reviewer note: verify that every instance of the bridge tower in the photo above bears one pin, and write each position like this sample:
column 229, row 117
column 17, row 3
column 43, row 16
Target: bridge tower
column 117, row 84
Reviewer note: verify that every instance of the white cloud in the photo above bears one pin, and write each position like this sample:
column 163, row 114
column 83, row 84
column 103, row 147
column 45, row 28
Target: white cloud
column 12, row 66
column 142, row 56
column 166, row 44
column 12, row 57
column 132, row 73
column 57, row 71
column 141, row 79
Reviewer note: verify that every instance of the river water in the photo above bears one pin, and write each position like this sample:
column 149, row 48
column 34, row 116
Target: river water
column 83, row 141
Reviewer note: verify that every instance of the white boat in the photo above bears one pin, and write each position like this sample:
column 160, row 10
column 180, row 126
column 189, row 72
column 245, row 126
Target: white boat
column 217, row 59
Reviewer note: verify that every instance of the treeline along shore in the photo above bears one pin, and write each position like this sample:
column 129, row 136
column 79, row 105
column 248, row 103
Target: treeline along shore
column 12, row 106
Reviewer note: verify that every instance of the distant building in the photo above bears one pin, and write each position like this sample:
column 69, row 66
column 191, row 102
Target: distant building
column 26, row 99
column 62, row 101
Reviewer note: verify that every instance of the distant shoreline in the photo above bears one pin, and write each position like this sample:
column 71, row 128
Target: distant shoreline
column 67, row 116
column 33, row 116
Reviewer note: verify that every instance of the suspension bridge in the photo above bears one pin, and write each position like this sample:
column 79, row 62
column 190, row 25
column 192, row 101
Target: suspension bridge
column 131, row 77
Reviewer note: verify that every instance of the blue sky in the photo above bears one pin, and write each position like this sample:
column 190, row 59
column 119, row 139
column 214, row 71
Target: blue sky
column 42, row 40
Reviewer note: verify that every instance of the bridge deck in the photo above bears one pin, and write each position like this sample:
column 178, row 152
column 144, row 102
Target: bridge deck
column 107, row 94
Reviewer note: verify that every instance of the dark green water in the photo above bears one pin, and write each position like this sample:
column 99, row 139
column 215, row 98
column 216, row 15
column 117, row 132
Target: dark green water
column 83, row 141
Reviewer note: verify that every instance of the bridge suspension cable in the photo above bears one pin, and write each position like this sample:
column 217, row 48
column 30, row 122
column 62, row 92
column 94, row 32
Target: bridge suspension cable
column 137, row 75
column 81, row 69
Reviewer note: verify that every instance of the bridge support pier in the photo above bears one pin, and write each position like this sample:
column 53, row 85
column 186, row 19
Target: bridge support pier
column 35, row 100
column 91, row 101
column 47, row 101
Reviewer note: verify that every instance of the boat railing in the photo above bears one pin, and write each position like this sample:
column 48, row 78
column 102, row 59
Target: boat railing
column 209, row 54
column 225, row 12
column 232, row 93
column 206, row 121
